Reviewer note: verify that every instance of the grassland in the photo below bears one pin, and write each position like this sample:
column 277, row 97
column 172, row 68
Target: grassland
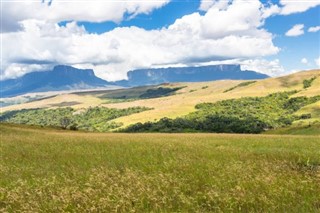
column 183, row 101
column 51, row 170
column 298, row 129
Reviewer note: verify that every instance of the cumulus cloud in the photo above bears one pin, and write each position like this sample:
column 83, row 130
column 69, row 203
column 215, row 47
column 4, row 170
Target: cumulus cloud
column 15, row 70
column 267, row 10
column 314, row 29
column 192, row 39
column 292, row 6
column 296, row 30
column 61, row 10
column 271, row 10
column 304, row 61
column 271, row 68
column 317, row 61
column 284, row 7
column 205, row 5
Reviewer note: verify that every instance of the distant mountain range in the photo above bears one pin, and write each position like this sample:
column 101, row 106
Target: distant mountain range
column 60, row 78
column 188, row 74
column 69, row 78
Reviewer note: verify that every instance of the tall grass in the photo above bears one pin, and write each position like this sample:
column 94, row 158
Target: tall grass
column 55, row 171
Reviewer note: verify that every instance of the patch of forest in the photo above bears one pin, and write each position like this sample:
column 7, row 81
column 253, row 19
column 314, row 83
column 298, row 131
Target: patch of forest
column 137, row 93
column 308, row 82
column 243, row 115
column 91, row 119
column 243, row 84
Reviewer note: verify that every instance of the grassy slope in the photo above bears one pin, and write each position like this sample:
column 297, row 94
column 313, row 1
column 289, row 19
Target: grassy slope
column 56, row 171
column 301, row 129
column 184, row 102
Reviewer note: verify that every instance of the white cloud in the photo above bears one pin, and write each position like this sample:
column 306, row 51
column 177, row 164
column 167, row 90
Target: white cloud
column 295, row 6
column 191, row 39
column 285, row 7
column 266, row 9
column 233, row 21
column 304, row 61
column 61, row 10
column 271, row 10
column 271, row 68
column 205, row 5
column 15, row 70
column 296, row 30
column 314, row 29
column 317, row 61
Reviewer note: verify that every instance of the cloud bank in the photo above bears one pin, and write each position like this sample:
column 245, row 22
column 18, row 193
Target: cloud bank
column 55, row 11
column 224, row 32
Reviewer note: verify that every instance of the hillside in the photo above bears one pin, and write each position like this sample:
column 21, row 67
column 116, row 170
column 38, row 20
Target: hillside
column 179, row 99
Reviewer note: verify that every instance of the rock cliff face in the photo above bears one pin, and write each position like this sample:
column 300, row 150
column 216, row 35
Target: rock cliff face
column 70, row 78
column 60, row 78
column 188, row 74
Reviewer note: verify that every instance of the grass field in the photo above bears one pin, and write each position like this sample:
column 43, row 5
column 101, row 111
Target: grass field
column 51, row 170
column 296, row 129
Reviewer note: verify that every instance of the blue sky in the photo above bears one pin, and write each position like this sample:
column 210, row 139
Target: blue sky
column 272, row 37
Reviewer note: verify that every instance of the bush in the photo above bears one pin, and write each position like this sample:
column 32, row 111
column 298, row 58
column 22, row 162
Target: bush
column 308, row 82
column 305, row 116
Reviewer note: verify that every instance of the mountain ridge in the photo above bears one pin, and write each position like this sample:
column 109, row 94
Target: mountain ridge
column 153, row 76
column 64, row 77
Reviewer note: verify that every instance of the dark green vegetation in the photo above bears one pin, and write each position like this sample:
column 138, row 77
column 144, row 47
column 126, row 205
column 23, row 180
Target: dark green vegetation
column 159, row 92
column 243, row 84
column 131, row 94
column 244, row 115
column 91, row 119
column 307, row 83
column 65, row 104
column 66, row 171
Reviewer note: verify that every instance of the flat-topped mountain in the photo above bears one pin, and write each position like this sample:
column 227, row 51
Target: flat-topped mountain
column 188, row 74
column 60, row 78
column 69, row 78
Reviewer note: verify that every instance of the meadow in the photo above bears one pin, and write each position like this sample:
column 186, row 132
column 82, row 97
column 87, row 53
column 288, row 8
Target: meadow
column 49, row 170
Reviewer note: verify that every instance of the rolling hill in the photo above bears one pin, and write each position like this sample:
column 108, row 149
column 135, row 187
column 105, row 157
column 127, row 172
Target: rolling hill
column 179, row 99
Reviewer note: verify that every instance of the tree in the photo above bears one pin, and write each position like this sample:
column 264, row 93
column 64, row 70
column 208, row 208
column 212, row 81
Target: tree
column 65, row 122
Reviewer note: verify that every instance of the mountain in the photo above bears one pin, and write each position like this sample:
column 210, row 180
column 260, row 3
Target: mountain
column 69, row 78
column 188, row 74
column 60, row 78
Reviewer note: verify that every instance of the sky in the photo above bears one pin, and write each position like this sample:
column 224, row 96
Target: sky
column 112, row 37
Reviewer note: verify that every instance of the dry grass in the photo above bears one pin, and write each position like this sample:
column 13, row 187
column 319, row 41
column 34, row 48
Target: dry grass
column 45, row 170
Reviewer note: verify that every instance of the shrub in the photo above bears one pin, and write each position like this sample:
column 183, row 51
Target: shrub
column 308, row 82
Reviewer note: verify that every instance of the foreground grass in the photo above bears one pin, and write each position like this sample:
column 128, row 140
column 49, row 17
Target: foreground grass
column 53, row 171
